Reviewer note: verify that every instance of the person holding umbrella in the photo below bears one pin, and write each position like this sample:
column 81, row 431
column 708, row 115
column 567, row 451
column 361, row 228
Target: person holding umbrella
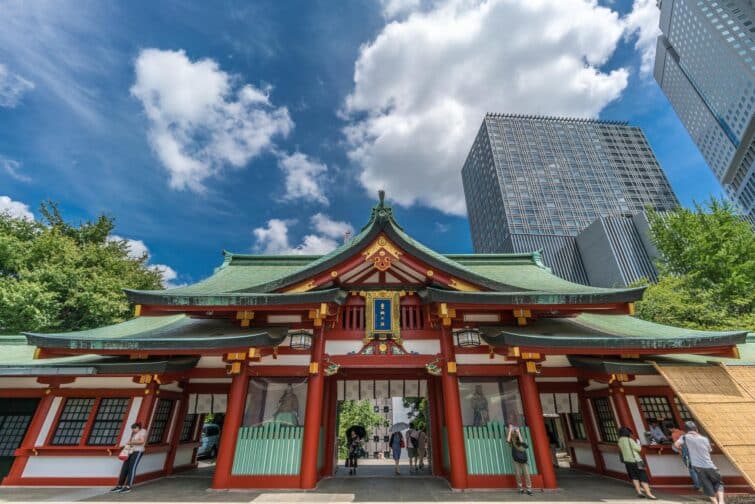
column 354, row 436
column 396, row 442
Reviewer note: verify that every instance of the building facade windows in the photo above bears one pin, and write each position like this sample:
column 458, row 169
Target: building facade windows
column 91, row 422
column 160, row 421
column 605, row 419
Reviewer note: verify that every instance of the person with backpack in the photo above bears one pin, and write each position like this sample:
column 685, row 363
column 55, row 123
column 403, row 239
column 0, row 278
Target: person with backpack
column 630, row 453
column 698, row 447
column 684, row 453
column 519, row 456
column 411, row 447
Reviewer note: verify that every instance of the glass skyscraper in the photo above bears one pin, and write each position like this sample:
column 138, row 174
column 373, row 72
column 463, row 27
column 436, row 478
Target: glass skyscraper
column 534, row 183
column 705, row 65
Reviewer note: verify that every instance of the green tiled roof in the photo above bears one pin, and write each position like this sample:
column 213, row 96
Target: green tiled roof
column 590, row 330
column 248, row 274
column 169, row 332
column 17, row 359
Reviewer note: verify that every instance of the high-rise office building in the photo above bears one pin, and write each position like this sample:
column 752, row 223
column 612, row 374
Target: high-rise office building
column 705, row 64
column 534, row 183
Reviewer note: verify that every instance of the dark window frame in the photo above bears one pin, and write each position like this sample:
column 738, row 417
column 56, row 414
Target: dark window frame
column 189, row 428
column 608, row 429
column 112, row 427
column 68, row 423
column 161, row 420
column 577, row 426
column 87, row 419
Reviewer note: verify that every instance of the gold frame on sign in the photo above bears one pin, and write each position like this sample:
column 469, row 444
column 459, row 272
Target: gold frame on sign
column 369, row 299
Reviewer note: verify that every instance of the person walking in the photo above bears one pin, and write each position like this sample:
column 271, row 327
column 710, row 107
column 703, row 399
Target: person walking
column 684, row 453
column 698, row 447
column 135, row 447
column 519, row 456
column 396, row 443
column 354, row 450
column 421, row 448
column 630, row 454
column 411, row 447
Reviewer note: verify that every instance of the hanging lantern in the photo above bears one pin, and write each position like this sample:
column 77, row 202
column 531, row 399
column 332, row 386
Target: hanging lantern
column 468, row 337
column 300, row 340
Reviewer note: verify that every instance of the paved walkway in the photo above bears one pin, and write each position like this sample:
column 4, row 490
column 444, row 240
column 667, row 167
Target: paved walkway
column 192, row 487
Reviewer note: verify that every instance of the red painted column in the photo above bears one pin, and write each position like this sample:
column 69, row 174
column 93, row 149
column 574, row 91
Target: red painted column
column 533, row 413
column 35, row 426
column 329, row 422
column 592, row 436
column 234, row 416
column 151, row 392
column 313, row 416
column 436, row 441
column 621, row 405
column 183, row 409
column 452, row 408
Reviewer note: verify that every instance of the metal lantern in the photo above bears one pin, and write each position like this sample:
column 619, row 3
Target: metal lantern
column 468, row 337
column 300, row 340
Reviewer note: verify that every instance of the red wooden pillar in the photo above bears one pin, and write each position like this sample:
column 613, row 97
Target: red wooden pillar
column 234, row 416
column 592, row 436
column 147, row 406
column 183, row 409
column 452, row 408
column 436, row 422
column 35, row 426
column 329, row 424
column 533, row 413
column 621, row 405
column 313, row 416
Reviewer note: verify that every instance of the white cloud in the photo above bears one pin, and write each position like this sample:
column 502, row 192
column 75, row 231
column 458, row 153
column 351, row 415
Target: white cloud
column 11, row 167
column 200, row 121
column 15, row 209
column 138, row 249
column 12, row 87
column 424, row 84
column 304, row 177
column 274, row 237
column 394, row 8
column 644, row 21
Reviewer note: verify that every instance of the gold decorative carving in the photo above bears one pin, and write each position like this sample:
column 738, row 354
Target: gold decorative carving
column 333, row 274
column 381, row 253
column 318, row 316
column 395, row 314
column 446, row 314
column 430, row 273
column 461, row 285
column 245, row 316
column 302, row 287
column 137, row 310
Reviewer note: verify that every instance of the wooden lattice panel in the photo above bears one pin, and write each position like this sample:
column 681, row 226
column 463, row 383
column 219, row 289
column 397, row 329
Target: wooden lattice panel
column 722, row 400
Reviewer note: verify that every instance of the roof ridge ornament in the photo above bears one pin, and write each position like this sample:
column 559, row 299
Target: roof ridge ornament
column 381, row 212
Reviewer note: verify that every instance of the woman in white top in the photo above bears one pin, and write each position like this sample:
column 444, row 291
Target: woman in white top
column 135, row 445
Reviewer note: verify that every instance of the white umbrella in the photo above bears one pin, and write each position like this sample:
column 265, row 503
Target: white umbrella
column 398, row 427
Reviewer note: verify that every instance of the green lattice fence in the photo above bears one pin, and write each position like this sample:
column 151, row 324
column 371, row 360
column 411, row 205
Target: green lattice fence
column 488, row 452
column 269, row 449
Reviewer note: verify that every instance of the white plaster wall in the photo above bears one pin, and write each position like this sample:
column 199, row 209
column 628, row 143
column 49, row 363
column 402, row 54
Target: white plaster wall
column 584, row 456
column 20, row 383
column 103, row 383
column 183, row 456
column 171, row 387
column 639, row 428
column 647, row 381
column 47, row 424
column 612, row 463
column 151, row 463
column 724, row 466
column 556, row 361
column 342, row 347
column 136, row 403
column 666, row 465
column 424, row 347
column 72, row 467
column 213, row 361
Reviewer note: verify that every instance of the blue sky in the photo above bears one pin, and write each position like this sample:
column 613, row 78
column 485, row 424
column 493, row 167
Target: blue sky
column 269, row 126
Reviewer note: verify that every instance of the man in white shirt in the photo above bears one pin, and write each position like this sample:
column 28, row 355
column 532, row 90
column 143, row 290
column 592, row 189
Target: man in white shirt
column 699, row 449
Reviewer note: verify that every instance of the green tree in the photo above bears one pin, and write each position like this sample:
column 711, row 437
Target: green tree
column 418, row 411
column 56, row 276
column 356, row 413
column 706, row 266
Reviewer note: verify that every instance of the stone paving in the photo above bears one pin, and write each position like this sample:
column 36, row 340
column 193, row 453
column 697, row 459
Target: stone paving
column 192, row 487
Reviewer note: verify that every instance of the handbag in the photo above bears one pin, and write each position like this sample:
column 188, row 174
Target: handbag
column 125, row 452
